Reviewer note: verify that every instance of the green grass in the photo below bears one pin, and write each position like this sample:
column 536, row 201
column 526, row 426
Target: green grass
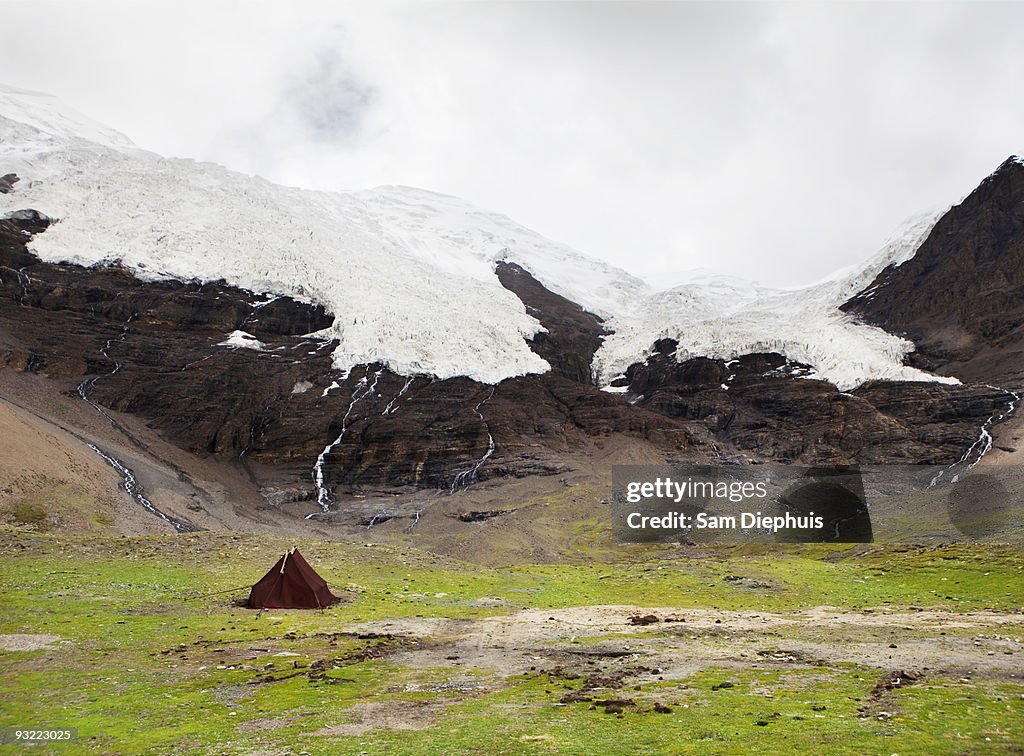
column 820, row 711
column 142, row 640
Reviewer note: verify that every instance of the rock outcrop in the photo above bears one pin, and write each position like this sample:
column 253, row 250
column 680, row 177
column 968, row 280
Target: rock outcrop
column 572, row 334
column 769, row 408
column 960, row 298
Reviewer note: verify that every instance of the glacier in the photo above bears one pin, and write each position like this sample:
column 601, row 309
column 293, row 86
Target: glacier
column 408, row 274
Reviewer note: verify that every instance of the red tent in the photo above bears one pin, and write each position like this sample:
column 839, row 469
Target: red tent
column 291, row 584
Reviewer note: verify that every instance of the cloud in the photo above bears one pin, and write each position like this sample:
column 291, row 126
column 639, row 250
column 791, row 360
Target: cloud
column 776, row 141
column 329, row 100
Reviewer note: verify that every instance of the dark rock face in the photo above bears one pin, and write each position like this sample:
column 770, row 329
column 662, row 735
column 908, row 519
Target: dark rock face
column 573, row 334
column 764, row 406
column 274, row 411
column 432, row 432
column 961, row 298
column 481, row 515
column 7, row 182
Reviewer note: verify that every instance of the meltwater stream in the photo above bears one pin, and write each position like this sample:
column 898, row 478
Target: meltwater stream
column 128, row 480
column 469, row 475
column 982, row 445
column 363, row 389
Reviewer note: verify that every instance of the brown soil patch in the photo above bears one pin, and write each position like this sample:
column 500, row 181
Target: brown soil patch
column 387, row 715
column 27, row 642
column 602, row 644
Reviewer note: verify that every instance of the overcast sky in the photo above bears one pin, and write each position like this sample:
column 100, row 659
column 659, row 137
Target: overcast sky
column 773, row 141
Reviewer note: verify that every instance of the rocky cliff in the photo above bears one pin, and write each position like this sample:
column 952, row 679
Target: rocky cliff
column 961, row 297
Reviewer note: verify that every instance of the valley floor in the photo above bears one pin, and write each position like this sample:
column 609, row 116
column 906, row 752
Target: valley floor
column 138, row 642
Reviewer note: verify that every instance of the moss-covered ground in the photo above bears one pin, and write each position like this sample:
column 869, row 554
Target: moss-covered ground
column 154, row 656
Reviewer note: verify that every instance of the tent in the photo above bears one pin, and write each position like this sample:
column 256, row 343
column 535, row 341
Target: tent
column 291, row 584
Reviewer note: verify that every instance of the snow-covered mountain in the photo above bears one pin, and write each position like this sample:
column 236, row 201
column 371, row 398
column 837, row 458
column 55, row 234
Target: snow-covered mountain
column 726, row 318
column 409, row 274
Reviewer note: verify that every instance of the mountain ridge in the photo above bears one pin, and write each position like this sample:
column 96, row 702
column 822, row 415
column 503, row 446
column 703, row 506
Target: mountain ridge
column 959, row 297
column 417, row 388
column 410, row 274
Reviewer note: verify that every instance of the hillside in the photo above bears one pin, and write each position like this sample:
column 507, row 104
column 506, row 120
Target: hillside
column 248, row 355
